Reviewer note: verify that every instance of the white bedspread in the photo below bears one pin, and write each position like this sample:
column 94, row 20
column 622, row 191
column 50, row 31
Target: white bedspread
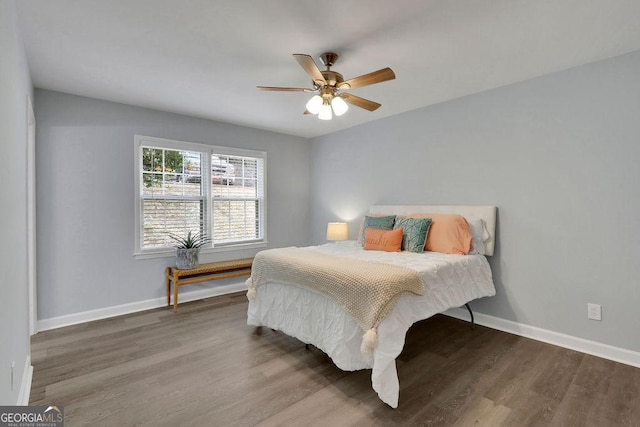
column 450, row 281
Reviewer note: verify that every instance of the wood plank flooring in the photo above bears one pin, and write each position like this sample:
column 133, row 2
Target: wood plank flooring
column 203, row 366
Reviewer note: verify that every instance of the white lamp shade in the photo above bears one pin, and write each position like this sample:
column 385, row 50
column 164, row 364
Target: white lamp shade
column 339, row 106
column 337, row 231
column 325, row 112
column 314, row 104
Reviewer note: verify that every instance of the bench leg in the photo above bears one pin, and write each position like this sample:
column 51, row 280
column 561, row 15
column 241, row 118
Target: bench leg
column 167, row 273
column 175, row 294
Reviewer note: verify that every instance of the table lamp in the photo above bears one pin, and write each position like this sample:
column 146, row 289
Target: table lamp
column 337, row 231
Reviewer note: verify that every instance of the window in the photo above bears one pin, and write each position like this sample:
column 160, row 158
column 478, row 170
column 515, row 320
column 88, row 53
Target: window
column 215, row 191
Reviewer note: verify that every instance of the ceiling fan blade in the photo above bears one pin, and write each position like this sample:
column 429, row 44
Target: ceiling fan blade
column 360, row 102
column 284, row 89
column 310, row 67
column 368, row 79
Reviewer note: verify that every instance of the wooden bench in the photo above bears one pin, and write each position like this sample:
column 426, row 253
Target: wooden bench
column 204, row 273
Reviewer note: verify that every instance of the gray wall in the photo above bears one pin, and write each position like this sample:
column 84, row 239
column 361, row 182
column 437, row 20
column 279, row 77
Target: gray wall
column 15, row 87
column 559, row 157
column 86, row 198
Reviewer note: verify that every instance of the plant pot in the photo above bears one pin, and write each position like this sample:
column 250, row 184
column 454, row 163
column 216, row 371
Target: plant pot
column 187, row 258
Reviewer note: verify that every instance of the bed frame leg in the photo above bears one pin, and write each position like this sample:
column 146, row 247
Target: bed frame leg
column 306, row 346
column 473, row 323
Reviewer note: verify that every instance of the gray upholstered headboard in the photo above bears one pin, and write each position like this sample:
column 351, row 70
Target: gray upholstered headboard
column 487, row 213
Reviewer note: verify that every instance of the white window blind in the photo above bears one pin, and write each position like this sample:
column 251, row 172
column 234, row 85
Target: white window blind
column 237, row 206
column 216, row 191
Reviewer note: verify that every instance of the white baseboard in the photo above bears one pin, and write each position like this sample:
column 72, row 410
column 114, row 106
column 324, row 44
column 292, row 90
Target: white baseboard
column 605, row 351
column 617, row 354
column 118, row 310
column 25, row 384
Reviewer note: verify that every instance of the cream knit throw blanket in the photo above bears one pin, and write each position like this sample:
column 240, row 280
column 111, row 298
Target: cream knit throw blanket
column 368, row 291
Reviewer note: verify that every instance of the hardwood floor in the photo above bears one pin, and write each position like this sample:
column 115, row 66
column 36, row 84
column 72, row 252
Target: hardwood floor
column 203, row 366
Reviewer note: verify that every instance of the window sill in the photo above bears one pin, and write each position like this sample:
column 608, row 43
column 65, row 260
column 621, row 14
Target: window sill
column 168, row 253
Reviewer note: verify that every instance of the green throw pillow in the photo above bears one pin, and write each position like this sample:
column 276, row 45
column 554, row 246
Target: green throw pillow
column 380, row 222
column 414, row 233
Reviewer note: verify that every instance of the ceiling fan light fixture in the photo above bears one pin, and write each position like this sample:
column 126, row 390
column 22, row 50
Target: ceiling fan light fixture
column 314, row 104
column 325, row 112
column 339, row 106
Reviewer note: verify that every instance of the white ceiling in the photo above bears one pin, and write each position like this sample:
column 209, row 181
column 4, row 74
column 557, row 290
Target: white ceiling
column 204, row 58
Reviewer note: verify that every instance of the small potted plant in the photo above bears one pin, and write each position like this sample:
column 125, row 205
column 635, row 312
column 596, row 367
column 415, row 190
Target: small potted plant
column 188, row 249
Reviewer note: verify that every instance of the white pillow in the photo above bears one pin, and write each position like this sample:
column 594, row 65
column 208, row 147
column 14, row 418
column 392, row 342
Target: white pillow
column 480, row 235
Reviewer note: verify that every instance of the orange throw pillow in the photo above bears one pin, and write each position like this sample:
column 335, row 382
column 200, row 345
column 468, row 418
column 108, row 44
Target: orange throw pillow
column 448, row 233
column 383, row 240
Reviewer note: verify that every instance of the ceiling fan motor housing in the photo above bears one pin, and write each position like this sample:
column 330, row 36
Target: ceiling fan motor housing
column 332, row 78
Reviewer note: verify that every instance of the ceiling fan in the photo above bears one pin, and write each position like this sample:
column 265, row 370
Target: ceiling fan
column 329, row 87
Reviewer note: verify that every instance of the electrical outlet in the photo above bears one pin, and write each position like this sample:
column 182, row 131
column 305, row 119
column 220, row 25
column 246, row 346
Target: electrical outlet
column 594, row 311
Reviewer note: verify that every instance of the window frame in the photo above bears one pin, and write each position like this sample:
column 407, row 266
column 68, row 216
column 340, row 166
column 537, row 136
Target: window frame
column 171, row 144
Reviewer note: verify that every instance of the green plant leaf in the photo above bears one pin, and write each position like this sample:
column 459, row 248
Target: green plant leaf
column 191, row 241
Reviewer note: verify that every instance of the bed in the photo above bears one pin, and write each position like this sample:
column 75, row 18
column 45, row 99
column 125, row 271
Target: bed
column 313, row 318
